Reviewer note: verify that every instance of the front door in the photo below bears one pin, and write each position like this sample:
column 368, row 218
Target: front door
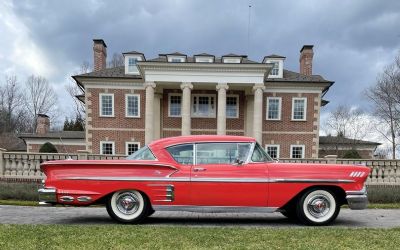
column 221, row 176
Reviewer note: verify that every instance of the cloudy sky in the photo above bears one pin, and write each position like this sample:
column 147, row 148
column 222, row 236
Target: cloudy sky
column 353, row 39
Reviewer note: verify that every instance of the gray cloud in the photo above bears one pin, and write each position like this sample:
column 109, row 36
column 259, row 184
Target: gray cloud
column 353, row 39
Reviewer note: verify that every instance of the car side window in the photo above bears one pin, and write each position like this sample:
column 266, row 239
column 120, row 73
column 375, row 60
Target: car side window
column 259, row 155
column 182, row 154
column 221, row 153
column 142, row 154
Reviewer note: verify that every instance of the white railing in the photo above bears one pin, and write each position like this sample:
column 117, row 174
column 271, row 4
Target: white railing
column 21, row 165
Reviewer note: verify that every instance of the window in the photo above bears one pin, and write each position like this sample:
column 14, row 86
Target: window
column 107, row 105
column 275, row 68
column 107, row 147
column 132, row 64
column 299, row 107
column 221, row 153
column 175, row 102
column 182, row 154
column 273, row 151
column 132, row 105
column 131, row 147
column 204, row 59
column 232, row 106
column 259, row 155
column 203, row 106
column 231, row 60
column 176, row 60
column 142, row 154
column 274, row 108
column 297, row 151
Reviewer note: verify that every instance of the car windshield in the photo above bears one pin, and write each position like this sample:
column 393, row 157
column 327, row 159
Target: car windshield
column 259, row 155
column 142, row 154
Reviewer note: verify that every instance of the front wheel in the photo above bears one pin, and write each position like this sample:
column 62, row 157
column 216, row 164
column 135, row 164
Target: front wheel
column 317, row 207
column 129, row 206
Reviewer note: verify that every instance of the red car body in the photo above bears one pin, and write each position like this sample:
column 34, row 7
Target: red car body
column 168, row 184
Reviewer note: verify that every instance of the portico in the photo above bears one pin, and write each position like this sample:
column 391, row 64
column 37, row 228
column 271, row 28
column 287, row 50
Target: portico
column 213, row 78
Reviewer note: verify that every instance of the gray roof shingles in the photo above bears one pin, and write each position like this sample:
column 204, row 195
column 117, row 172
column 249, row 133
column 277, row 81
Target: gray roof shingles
column 344, row 140
column 56, row 135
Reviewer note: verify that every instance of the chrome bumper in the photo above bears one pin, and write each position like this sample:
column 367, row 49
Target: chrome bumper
column 357, row 200
column 47, row 196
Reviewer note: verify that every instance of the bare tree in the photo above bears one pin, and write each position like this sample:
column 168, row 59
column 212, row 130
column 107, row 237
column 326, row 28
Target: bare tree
column 346, row 122
column 116, row 61
column 77, row 92
column 12, row 114
column 385, row 96
column 40, row 98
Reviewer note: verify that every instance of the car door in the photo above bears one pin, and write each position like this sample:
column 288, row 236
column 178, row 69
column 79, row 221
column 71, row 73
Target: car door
column 222, row 176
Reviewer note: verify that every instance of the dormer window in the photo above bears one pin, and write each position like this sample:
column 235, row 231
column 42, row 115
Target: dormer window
column 231, row 60
column 204, row 58
column 131, row 60
column 275, row 69
column 277, row 65
column 176, row 59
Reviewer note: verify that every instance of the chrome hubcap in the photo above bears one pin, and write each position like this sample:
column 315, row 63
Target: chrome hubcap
column 318, row 206
column 127, row 203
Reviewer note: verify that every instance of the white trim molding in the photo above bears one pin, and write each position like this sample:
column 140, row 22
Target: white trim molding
column 304, row 108
column 303, row 149
column 126, row 105
column 279, row 109
column 101, row 104
column 278, row 149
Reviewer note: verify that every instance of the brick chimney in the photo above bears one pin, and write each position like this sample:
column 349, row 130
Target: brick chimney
column 99, row 54
column 42, row 124
column 306, row 56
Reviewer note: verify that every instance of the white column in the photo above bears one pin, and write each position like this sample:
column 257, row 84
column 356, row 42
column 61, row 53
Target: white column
column 149, row 118
column 221, row 115
column 258, row 90
column 185, row 109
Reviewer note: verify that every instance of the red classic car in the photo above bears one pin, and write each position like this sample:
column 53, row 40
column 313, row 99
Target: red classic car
column 205, row 174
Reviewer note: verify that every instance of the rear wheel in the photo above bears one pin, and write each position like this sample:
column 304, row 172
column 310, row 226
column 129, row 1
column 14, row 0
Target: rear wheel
column 128, row 206
column 317, row 207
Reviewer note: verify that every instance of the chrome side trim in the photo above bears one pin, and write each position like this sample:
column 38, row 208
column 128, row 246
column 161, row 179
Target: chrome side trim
column 187, row 179
column 357, row 200
column 67, row 198
column 215, row 209
column 169, row 194
column 47, row 196
column 312, row 180
column 104, row 178
column 128, row 162
column 84, row 198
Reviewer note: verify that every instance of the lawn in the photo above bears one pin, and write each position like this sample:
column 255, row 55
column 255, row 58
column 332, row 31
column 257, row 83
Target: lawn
column 179, row 237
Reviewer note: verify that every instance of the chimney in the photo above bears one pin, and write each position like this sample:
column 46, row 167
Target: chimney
column 100, row 54
column 42, row 124
column 306, row 56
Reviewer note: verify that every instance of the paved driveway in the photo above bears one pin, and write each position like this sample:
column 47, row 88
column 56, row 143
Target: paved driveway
column 371, row 218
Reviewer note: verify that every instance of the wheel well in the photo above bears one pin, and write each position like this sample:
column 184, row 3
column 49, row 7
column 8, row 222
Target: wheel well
column 339, row 193
column 103, row 200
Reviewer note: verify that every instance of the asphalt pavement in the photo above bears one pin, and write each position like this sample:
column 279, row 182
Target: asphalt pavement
column 369, row 218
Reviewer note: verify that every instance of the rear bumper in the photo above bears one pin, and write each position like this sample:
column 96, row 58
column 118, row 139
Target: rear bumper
column 47, row 196
column 357, row 200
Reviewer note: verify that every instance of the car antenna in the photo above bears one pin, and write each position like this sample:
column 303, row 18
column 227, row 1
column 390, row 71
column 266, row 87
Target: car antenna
column 68, row 155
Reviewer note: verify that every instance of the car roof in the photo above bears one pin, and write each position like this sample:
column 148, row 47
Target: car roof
column 199, row 138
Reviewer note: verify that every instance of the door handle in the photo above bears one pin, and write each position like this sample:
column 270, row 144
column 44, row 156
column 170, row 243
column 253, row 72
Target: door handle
column 199, row 169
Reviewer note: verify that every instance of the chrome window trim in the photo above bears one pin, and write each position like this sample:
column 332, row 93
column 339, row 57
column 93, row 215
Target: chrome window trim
column 186, row 143
column 215, row 209
column 237, row 142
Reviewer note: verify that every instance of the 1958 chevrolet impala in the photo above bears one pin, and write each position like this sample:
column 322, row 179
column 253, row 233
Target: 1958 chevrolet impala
column 205, row 174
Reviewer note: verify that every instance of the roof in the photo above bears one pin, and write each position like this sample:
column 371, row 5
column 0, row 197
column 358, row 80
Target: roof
column 274, row 56
column 116, row 72
column 203, row 54
column 191, row 59
column 291, row 76
column 11, row 142
column 344, row 140
column 234, row 55
column 56, row 135
column 199, row 138
column 132, row 52
column 173, row 54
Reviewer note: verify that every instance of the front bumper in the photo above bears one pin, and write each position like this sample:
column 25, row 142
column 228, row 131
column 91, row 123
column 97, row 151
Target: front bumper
column 47, row 196
column 357, row 200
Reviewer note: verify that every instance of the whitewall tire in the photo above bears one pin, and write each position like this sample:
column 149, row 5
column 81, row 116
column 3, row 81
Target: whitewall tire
column 128, row 206
column 317, row 207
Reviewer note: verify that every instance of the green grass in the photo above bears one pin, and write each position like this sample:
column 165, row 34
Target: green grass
column 19, row 203
column 149, row 237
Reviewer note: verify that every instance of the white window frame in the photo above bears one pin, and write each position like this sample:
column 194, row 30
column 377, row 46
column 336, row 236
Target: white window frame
column 232, row 60
column 237, row 106
column 277, row 68
column 176, row 58
column 302, row 153
column 169, row 104
column 279, row 109
column 305, row 108
column 130, row 142
column 126, row 106
column 101, row 104
column 278, row 149
column 133, row 69
column 204, row 59
column 211, row 115
column 110, row 142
